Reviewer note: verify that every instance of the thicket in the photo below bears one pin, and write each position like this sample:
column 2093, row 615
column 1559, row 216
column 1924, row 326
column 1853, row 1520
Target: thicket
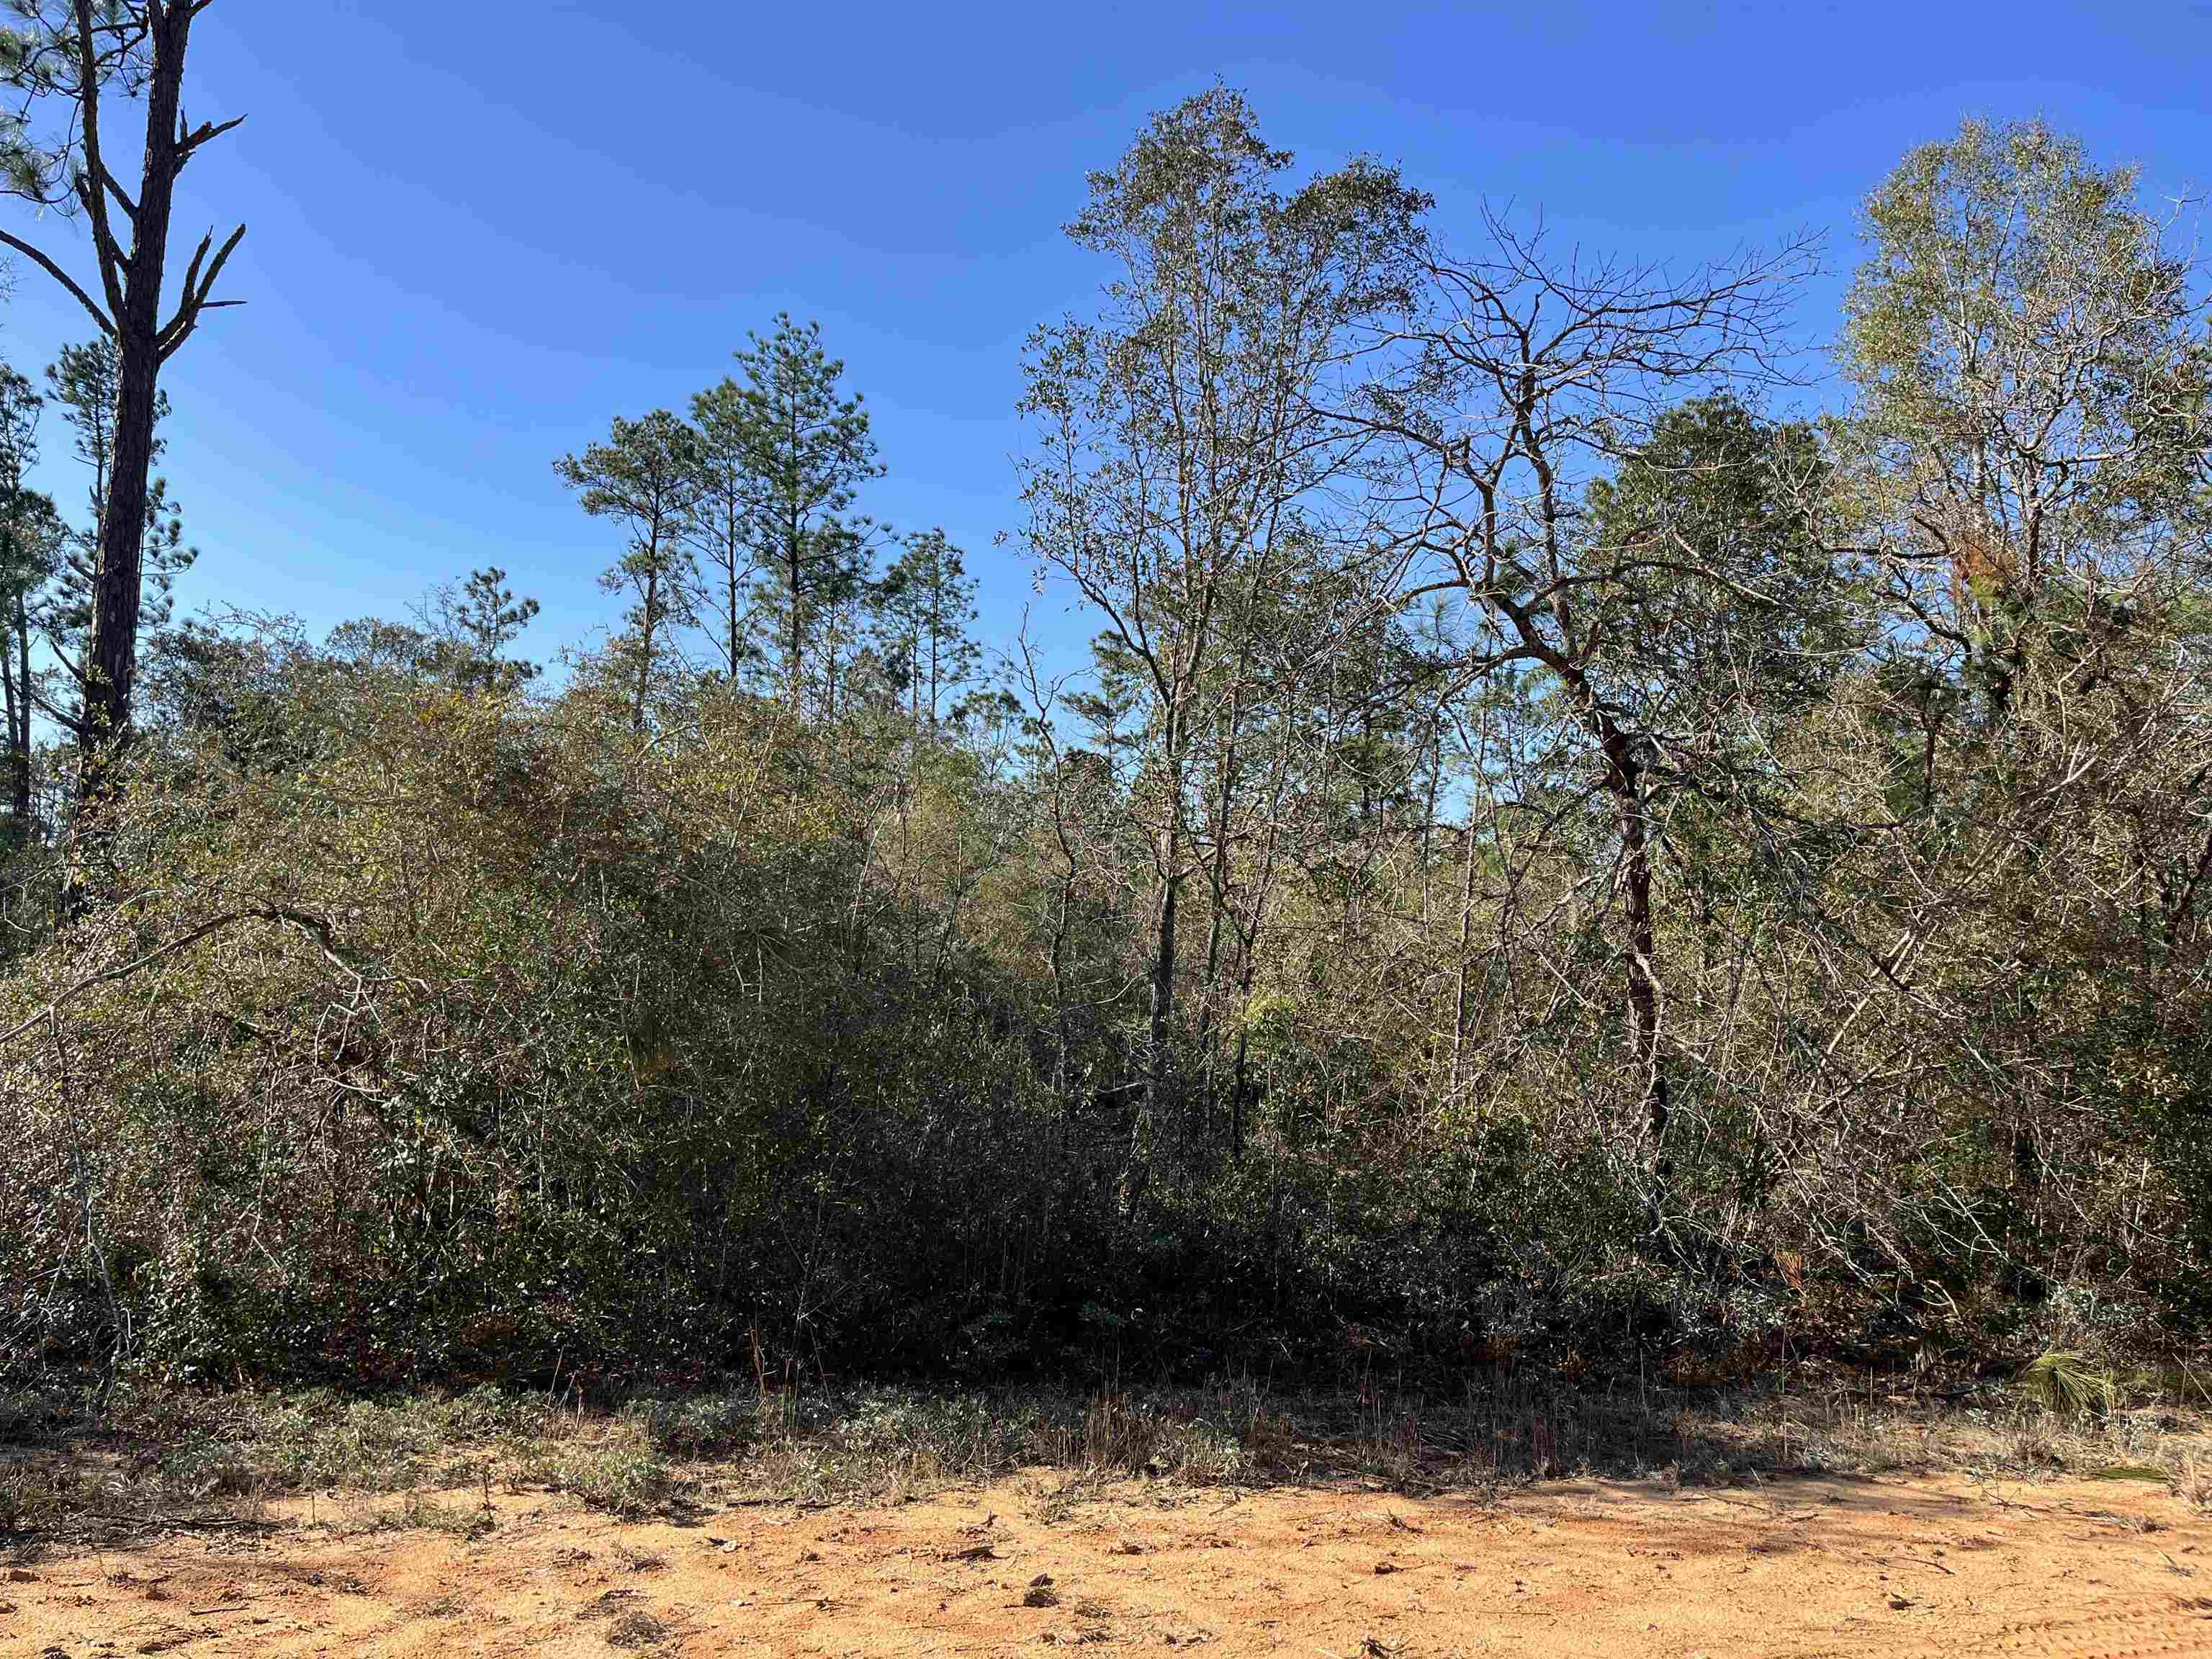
column 1552, row 858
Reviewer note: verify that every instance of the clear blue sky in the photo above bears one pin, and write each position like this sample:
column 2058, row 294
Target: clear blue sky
column 478, row 228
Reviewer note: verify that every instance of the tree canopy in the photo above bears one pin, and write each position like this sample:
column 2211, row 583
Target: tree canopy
column 1570, row 840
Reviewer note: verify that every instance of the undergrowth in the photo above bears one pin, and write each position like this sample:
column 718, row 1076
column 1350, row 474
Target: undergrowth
column 66, row 1457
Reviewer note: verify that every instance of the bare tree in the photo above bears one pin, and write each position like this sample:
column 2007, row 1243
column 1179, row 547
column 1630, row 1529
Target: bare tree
column 1524, row 381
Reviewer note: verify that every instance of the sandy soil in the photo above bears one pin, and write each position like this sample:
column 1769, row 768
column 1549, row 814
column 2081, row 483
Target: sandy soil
column 1827, row 1567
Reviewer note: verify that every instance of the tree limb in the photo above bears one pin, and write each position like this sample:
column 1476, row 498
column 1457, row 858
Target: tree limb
column 95, row 199
column 206, row 132
column 196, row 288
column 312, row 925
column 106, row 325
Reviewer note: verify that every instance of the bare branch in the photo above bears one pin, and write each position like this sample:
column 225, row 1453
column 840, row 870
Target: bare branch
column 194, row 300
column 206, row 132
column 313, row 926
column 106, row 325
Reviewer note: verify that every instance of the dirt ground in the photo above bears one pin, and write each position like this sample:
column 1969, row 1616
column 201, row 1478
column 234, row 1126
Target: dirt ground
column 1923, row 1565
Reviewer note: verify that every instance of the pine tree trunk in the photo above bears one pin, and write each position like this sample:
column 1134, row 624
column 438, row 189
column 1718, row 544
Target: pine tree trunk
column 794, row 548
column 730, row 546
column 647, row 626
column 111, row 655
column 15, row 670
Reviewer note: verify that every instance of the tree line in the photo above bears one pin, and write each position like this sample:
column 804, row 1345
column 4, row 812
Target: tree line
column 739, row 523
column 1570, row 840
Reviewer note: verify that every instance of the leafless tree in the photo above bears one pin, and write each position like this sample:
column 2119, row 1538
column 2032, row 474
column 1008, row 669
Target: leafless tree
column 1526, row 377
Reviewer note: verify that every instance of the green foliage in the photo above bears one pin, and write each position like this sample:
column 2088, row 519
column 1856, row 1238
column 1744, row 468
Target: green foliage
column 1732, row 612
column 924, row 606
column 806, row 445
column 2069, row 1385
column 486, row 617
column 442, row 1023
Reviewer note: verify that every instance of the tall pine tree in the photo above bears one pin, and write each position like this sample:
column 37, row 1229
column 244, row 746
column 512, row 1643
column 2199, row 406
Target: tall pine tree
column 809, row 448
column 924, row 606
column 85, row 382
column 645, row 477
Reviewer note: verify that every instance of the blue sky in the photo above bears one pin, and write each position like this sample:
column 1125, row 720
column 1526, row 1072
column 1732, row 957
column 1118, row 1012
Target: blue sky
column 478, row 229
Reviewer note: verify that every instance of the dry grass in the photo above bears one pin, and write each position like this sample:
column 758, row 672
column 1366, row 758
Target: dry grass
column 155, row 1458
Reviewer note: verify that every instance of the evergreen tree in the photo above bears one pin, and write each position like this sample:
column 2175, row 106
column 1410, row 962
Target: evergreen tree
column 478, row 621
column 29, row 535
column 80, row 70
column 808, row 448
column 83, row 381
column 645, row 479
column 725, row 520
column 924, row 607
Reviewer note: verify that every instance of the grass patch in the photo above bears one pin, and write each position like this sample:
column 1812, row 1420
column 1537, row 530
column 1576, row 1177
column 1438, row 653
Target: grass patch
column 2067, row 1385
column 63, row 1459
column 420, row 1512
column 610, row 1465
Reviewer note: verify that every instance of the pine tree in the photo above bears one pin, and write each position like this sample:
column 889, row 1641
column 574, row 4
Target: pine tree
column 83, row 380
column 726, row 520
column 29, row 536
column 478, row 621
column 924, row 606
column 76, row 67
column 808, row 448
column 645, row 479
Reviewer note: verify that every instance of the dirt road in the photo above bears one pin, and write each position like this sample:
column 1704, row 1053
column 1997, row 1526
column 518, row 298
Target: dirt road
column 1937, row 1565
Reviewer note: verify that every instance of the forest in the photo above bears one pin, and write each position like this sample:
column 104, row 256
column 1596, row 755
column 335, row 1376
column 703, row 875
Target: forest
column 1595, row 833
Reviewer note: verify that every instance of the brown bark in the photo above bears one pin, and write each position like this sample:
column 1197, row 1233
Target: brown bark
column 15, row 654
column 111, row 656
column 730, row 545
column 794, row 551
column 1624, row 780
column 647, row 626
column 1170, row 852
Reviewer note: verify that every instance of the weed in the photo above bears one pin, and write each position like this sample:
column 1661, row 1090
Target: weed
column 2192, row 1482
column 636, row 1629
column 417, row 1513
column 2067, row 1385
column 619, row 1471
